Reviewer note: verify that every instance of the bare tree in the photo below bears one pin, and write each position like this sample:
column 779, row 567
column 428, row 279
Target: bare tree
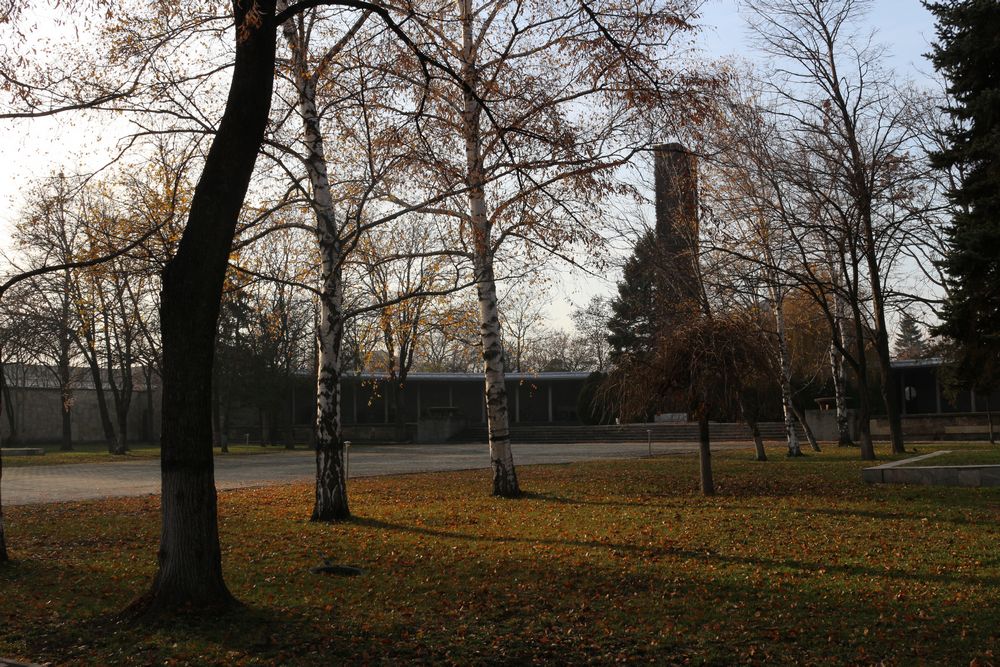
column 591, row 323
column 843, row 111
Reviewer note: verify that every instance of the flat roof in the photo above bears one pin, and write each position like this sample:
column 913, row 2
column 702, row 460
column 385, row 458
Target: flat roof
column 468, row 377
column 930, row 362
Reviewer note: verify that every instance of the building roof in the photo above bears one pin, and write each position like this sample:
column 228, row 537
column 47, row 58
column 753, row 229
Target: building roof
column 930, row 362
column 470, row 377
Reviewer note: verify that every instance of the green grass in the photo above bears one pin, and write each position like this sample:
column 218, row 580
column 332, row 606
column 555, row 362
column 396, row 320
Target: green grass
column 794, row 562
column 92, row 452
column 979, row 454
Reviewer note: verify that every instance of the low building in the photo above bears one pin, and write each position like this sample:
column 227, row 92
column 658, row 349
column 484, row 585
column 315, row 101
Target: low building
column 532, row 398
column 933, row 409
column 922, row 389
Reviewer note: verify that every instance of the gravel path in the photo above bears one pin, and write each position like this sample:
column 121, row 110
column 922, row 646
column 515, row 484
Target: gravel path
column 24, row 485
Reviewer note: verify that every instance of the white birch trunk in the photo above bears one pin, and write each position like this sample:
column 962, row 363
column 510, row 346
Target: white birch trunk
column 331, row 480
column 838, row 369
column 839, row 372
column 786, row 373
column 501, row 457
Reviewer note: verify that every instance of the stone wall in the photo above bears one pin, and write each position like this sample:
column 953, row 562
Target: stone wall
column 959, row 426
column 38, row 416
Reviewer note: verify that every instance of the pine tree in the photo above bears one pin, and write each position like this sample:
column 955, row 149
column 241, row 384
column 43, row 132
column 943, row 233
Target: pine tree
column 633, row 324
column 910, row 341
column 966, row 53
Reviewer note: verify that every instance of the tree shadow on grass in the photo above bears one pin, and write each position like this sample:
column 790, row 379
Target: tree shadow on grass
column 707, row 555
column 889, row 515
column 244, row 629
column 562, row 500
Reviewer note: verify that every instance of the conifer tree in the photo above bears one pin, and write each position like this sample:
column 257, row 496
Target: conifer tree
column 966, row 53
column 634, row 320
column 910, row 341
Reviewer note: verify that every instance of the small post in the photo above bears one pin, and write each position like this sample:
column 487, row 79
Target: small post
column 649, row 442
column 347, row 459
column 247, row 442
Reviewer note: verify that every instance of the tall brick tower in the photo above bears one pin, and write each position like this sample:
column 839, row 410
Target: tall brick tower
column 675, row 174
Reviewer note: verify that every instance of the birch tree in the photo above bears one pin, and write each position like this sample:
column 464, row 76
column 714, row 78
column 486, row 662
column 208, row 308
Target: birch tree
column 351, row 199
column 509, row 125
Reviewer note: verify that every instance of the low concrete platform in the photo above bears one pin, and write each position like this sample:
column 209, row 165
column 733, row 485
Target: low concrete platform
column 903, row 472
column 21, row 451
column 4, row 662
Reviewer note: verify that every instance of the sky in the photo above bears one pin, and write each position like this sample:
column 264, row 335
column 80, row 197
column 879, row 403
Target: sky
column 43, row 146
column 903, row 26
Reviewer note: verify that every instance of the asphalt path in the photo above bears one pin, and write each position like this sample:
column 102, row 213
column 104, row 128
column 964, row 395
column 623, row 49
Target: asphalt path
column 24, row 485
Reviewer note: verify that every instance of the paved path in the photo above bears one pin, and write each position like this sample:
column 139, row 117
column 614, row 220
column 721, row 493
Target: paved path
column 25, row 485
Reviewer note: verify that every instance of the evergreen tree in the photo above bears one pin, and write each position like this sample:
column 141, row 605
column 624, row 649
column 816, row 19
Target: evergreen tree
column 910, row 341
column 967, row 53
column 634, row 322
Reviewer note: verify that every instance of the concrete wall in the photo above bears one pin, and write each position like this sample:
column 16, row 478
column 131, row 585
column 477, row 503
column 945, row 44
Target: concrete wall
column 824, row 424
column 968, row 426
column 531, row 400
column 38, row 416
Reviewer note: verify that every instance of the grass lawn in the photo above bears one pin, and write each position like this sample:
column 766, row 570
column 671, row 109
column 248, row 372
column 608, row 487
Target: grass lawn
column 978, row 454
column 794, row 562
column 97, row 452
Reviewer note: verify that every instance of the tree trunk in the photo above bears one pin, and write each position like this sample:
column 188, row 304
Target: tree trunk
column 216, row 416
column 7, row 406
column 331, row 479
column 3, row 535
column 758, row 441
column 102, row 401
column 867, row 447
column 123, row 403
column 785, row 379
column 860, row 364
column 810, row 436
column 224, row 428
column 989, row 420
column 149, row 435
column 67, row 421
column 882, row 337
column 864, row 408
column 705, row 453
column 838, row 372
column 290, row 416
column 501, row 457
column 840, row 400
column 399, row 387
column 190, row 560
column 888, row 392
column 505, row 482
